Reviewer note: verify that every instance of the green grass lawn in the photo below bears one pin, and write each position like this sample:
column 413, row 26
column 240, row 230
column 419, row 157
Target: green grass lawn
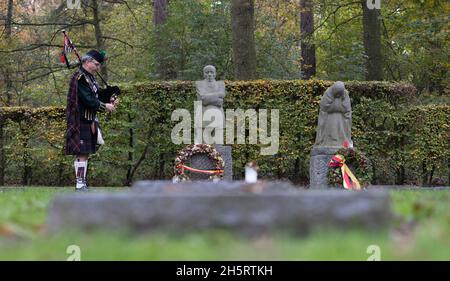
column 421, row 231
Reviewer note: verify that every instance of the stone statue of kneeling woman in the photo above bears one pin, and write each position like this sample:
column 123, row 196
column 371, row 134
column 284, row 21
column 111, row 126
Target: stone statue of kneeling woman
column 335, row 117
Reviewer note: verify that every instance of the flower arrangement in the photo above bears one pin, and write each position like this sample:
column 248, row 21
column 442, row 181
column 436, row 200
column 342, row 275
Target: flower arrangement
column 185, row 154
column 349, row 169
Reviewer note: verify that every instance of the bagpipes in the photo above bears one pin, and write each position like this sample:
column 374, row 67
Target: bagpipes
column 107, row 95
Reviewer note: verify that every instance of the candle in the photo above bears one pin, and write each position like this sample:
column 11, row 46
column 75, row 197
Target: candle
column 251, row 176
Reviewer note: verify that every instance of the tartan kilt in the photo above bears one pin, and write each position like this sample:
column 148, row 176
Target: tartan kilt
column 88, row 140
column 81, row 141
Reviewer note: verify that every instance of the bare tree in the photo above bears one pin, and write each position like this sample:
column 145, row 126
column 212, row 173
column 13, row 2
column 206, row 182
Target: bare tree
column 243, row 39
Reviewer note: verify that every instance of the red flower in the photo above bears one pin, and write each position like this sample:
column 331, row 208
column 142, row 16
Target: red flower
column 346, row 143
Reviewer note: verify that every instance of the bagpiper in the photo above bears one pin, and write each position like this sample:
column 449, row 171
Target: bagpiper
column 84, row 100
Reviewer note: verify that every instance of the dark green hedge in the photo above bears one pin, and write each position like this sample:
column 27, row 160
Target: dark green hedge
column 407, row 144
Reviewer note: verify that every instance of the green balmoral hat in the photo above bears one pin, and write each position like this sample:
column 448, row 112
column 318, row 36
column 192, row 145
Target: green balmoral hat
column 98, row 56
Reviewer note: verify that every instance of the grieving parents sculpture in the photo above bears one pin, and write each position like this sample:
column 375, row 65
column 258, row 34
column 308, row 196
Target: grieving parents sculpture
column 211, row 93
column 333, row 130
column 335, row 117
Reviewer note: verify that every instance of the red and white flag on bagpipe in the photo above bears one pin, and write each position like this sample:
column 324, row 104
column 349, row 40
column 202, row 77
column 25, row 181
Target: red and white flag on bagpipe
column 67, row 48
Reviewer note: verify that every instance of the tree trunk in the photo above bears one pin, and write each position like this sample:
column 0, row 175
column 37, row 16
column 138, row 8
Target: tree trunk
column 160, row 14
column 130, row 153
column 448, row 165
column 243, row 39
column 160, row 11
column 308, row 63
column 372, row 42
column 401, row 175
column 8, row 33
column 8, row 92
column 26, row 157
column 424, row 173
column 99, row 36
column 2, row 157
column 9, row 19
column 430, row 181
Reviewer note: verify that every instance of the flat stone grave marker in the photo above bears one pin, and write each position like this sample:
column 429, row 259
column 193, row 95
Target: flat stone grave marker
column 250, row 209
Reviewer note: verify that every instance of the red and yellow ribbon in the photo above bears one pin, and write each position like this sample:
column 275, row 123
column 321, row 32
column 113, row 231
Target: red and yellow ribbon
column 208, row 172
column 348, row 178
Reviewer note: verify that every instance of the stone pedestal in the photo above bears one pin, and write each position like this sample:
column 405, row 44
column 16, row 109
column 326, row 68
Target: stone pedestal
column 225, row 152
column 202, row 161
column 318, row 166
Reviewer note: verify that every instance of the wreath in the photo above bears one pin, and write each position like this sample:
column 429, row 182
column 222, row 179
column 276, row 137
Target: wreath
column 185, row 154
column 349, row 169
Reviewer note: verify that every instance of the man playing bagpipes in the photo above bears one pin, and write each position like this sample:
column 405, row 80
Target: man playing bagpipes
column 84, row 100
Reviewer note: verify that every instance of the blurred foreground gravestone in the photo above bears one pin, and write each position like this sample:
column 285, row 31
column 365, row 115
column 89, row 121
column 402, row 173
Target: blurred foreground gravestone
column 253, row 209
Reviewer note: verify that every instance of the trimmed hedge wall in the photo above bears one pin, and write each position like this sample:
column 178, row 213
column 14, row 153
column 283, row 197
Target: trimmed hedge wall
column 407, row 143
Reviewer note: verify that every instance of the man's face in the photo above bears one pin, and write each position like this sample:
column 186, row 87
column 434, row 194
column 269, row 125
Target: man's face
column 91, row 66
column 210, row 75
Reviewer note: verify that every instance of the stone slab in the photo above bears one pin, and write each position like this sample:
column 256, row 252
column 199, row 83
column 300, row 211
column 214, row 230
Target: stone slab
column 201, row 161
column 221, row 187
column 243, row 213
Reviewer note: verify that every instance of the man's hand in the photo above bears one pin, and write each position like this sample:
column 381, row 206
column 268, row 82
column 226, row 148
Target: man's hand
column 110, row 107
column 115, row 101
